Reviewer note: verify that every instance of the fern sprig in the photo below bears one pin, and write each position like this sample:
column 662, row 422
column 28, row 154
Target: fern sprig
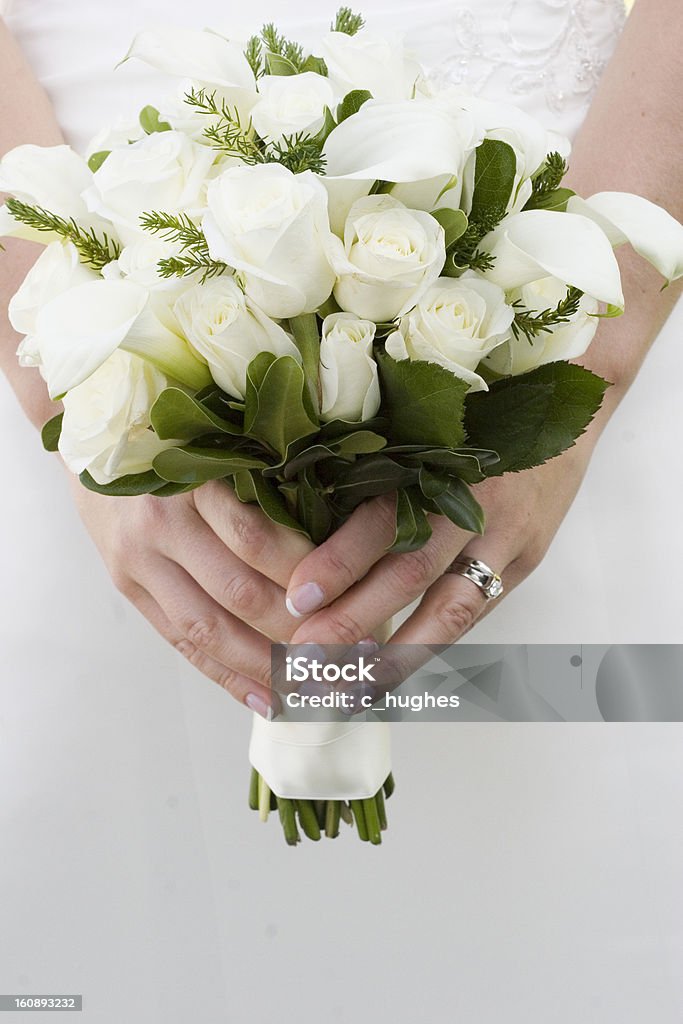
column 300, row 152
column 194, row 255
column 254, row 55
column 227, row 133
column 551, row 175
column 466, row 251
column 279, row 46
column 532, row 324
column 347, row 22
column 94, row 250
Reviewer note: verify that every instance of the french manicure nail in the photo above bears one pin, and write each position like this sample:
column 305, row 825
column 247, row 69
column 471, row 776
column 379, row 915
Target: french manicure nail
column 304, row 599
column 258, row 704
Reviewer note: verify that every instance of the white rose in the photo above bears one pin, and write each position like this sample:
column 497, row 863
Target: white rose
column 565, row 341
column 271, row 226
column 106, row 419
column 390, row 257
column 119, row 133
column 57, row 269
column 139, row 262
column 289, row 104
column 456, row 324
column 53, row 177
column 348, row 371
column 229, row 331
column 164, row 171
column 364, row 61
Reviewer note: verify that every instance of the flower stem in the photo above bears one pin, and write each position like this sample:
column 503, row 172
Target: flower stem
column 253, row 790
column 332, row 815
column 263, row 799
column 288, row 821
column 308, row 819
column 381, row 809
column 372, row 821
column 345, row 812
column 389, row 785
column 359, row 815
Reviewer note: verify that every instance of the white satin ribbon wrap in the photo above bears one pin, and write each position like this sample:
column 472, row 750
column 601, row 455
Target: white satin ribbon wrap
column 321, row 760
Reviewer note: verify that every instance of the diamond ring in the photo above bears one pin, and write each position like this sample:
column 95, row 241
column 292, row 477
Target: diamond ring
column 488, row 581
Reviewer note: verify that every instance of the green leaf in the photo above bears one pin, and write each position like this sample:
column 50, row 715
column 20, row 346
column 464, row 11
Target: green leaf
column 315, row 64
column 96, row 160
column 352, row 103
column 329, row 124
column 466, row 463
column 453, row 499
column 360, row 442
column 314, row 512
column 423, row 401
column 150, row 121
column 304, row 330
column 250, row 487
column 454, row 223
column 197, row 465
column 494, row 177
column 275, row 405
column 51, row 432
column 556, row 199
column 125, row 486
column 175, row 414
column 412, row 526
column 611, row 313
column 279, row 65
column 533, row 417
column 370, row 476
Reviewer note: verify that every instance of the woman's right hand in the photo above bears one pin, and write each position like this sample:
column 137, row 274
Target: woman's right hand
column 208, row 572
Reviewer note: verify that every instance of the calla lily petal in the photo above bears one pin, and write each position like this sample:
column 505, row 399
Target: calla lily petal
column 654, row 234
column 542, row 243
column 79, row 329
column 202, row 55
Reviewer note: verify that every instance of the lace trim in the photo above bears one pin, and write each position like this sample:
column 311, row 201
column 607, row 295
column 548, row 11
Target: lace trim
column 562, row 66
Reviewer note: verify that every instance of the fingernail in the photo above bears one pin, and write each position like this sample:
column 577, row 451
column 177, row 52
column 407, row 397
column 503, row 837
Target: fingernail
column 370, row 644
column 304, row 599
column 257, row 704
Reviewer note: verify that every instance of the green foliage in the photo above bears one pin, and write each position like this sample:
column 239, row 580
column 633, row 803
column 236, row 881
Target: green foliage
column 175, row 414
column 412, row 526
column 550, row 175
column 281, row 53
column 150, row 121
column 195, row 465
column 252, row 486
column 532, row 324
column 533, row 417
column 277, row 411
column 495, row 169
column 194, row 257
column 555, row 199
column 96, row 160
column 454, row 224
column 95, row 251
column 352, row 103
column 51, row 433
column 423, row 402
column 348, row 22
column 254, row 55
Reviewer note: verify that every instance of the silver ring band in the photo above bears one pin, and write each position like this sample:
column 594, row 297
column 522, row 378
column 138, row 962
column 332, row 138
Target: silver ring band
column 488, row 581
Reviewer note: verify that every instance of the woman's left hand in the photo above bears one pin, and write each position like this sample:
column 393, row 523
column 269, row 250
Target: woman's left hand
column 350, row 586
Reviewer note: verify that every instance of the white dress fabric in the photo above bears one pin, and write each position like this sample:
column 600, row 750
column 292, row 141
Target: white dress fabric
column 532, row 872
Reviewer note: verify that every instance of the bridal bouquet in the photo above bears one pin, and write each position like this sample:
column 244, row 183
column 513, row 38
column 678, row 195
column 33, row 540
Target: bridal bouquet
column 319, row 277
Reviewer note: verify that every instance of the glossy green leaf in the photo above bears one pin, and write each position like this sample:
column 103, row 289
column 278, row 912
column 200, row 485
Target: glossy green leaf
column 556, row 199
column 197, row 465
column 251, row 486
column 306, row 336
column 279, row 65
column 95, row 160
column 533, row 417
column 126, row 486
column 352, row 103
column 51, row 433
column 313, row 511
column 412, row 526
column 275, row 411
column 453, row 498
column 454, row 223
column 495, row 170
column 370, row 476
column 150, row 121
column 175, row 414
column 315, row 64
column 423, row 401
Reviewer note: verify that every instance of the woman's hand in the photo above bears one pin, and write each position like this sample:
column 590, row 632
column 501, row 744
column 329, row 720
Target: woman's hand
column 208, row 572
column 349, row 586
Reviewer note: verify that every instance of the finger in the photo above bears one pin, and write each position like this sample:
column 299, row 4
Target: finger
column 247, row 691
column 343, row 558
column 241, row 590
column 391, row 584
column 452, row 605
column 271, row 549
column 207, row 626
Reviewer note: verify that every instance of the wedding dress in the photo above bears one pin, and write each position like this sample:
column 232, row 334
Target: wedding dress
column 531, row 872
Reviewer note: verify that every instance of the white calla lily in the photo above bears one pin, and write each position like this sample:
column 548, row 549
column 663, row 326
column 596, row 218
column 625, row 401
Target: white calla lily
column 405, row 141
column 202, row 55
column 365, row 61
column 651, row 231
column 533, row 244
column 57, row 269
column 80, row 328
